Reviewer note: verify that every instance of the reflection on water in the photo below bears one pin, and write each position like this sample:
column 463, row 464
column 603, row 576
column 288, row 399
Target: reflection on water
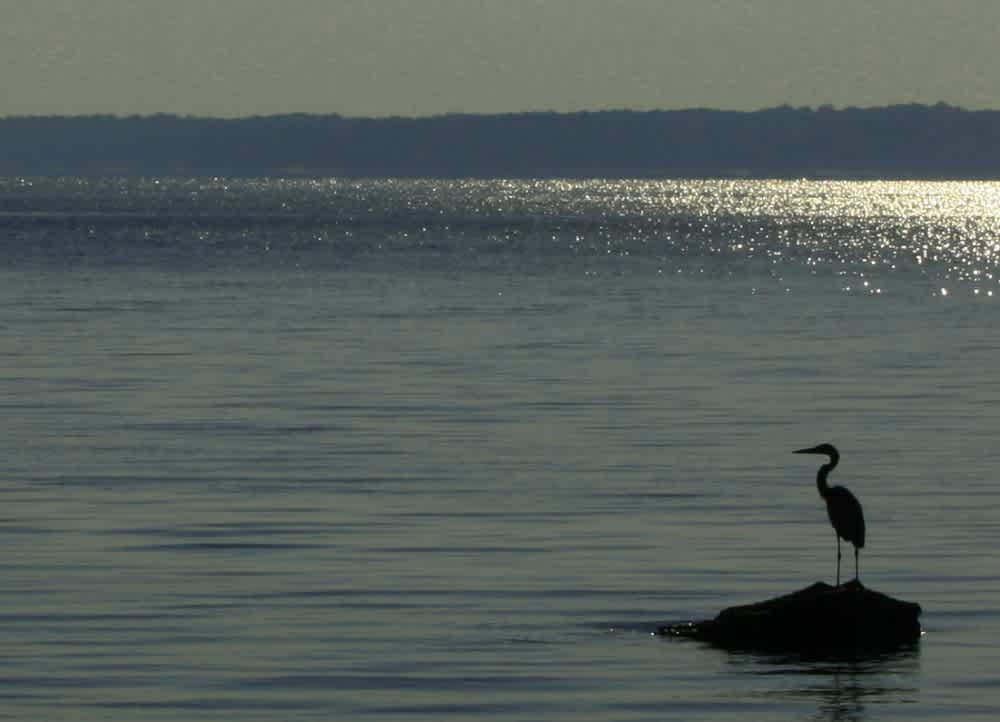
column 866, row 237
column 843, row 688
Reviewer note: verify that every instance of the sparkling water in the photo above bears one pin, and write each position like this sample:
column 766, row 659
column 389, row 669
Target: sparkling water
column 390, row 450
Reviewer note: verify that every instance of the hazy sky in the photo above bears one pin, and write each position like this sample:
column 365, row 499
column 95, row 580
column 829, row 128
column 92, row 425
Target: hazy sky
column 422, row 57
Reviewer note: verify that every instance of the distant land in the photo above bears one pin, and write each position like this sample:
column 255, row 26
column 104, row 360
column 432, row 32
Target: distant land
column 900, row 141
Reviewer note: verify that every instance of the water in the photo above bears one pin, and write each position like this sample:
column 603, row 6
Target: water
column 279, row 450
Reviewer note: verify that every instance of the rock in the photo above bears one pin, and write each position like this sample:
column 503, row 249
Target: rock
column 817, row 618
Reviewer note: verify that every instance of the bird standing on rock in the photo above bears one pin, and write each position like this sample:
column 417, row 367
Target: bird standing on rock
column 842, row 506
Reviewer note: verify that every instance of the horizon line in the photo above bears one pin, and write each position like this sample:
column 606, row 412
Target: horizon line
column 939, row 106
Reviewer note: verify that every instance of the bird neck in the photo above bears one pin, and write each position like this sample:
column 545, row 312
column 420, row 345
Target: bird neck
column 824, row 471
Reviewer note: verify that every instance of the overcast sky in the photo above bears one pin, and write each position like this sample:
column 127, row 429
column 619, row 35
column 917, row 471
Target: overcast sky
column 424, row 57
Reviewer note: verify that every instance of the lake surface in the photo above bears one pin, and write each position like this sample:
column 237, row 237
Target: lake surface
column 398, row 450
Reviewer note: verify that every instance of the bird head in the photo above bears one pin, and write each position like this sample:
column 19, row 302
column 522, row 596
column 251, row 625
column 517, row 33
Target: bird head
column 827, row 449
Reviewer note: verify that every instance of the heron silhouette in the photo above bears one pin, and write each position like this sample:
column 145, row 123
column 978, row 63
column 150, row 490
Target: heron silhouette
column 842, row 506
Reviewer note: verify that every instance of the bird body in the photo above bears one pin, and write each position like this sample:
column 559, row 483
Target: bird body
column 846, row 515
column 842, row 506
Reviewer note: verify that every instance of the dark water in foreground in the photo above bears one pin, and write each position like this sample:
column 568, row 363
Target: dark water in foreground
column 407, row 450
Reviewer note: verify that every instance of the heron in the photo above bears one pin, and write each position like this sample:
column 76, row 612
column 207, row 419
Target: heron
column 842, row 506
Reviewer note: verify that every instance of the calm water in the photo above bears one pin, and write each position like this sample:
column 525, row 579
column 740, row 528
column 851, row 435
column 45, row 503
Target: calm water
column 416, row 450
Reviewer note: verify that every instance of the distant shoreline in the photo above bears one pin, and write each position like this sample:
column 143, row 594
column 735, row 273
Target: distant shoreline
column 918, row 142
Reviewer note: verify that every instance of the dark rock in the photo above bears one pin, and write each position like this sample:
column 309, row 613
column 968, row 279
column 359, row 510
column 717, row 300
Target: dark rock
column 819, row 617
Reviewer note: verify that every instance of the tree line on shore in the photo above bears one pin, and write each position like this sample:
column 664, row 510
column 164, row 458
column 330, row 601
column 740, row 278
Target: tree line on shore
column 894, row 141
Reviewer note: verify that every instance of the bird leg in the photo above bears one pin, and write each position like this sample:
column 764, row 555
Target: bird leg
column 838, row 560
column 856, row 576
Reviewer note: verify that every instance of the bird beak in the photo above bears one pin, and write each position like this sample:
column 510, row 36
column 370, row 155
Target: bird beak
column 810, row 450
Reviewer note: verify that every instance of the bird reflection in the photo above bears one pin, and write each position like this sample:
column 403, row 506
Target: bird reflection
column 843, row 700
column 842, row 506
column 841, row 688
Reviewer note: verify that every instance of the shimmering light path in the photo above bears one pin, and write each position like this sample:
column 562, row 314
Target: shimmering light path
column 866, row 236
